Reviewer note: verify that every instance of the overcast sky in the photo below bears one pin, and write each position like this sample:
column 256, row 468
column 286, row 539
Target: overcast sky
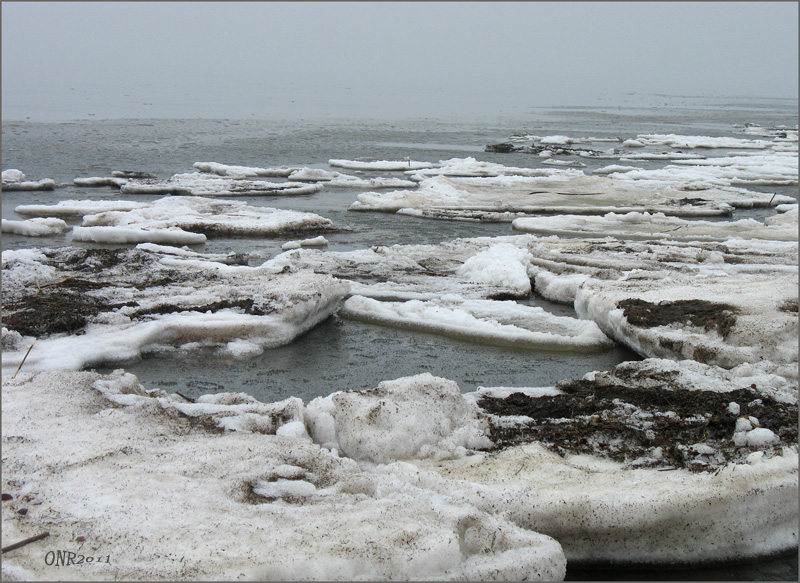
column 63, row 60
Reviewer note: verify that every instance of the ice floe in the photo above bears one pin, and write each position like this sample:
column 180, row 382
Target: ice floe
column 400, row 165
column 38, row 227
column 232, row 171
column 206, row 184
column 411, row 479
column 126, row 302
column 775, row 169
column 14, row 179
column 313, row 242
column 77, row 208
column 327, row 518
column 473, row 268
column 657, row 414
column 658, row 226
column 706, row 142
column 505, row 198
column 176, row 220
column 726, row 319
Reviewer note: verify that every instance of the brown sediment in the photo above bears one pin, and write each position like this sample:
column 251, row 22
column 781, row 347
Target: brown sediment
column 702, row 313
column 627, row 423
column 58, row 308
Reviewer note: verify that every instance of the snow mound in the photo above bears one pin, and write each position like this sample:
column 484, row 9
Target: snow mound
column 412, row 417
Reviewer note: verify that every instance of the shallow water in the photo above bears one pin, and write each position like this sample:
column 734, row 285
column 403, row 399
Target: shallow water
column 342, row 354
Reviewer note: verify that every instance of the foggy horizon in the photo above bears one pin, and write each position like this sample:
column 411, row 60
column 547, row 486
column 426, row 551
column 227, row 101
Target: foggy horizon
column 385, row 60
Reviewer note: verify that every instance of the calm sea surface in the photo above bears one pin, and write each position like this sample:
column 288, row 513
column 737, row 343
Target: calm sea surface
column 341, row 354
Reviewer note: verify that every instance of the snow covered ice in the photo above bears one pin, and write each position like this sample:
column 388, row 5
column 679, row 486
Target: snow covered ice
column 145, row 300
column 175, row 220
column 413, row 479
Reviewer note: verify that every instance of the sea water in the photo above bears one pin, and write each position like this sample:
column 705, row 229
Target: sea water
column 341, row 354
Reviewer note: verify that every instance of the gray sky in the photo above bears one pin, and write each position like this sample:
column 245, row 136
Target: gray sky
column 64, row 60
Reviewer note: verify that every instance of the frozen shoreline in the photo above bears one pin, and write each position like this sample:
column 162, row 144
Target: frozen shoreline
column 413, row 479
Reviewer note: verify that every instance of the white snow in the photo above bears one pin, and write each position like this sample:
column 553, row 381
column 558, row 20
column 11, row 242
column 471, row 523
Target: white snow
column 502, row 265
column 13, row 175
column 420, row 416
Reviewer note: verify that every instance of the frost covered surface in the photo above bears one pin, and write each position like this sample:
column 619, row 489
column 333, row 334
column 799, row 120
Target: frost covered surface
column 658, row 226
column 126, row 302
